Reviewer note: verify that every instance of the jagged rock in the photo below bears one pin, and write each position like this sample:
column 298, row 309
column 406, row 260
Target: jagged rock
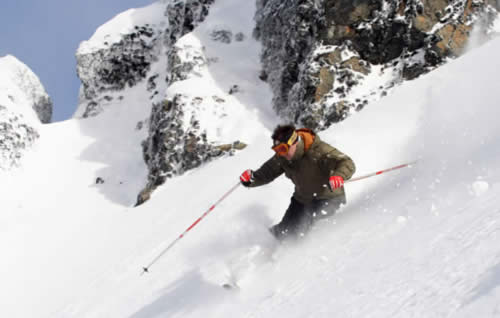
column 183, row 62
column 326, row 80
column 43, row 107
column 237, row 145
column 453, row 39
column 222, row 35
column 334, row 57
column 16, row 136
column 122, row 65
column 127, row 62
column 348, row 12
column 173, row 147
column 357, row 65
column 175, row 141
column 287, row 43
column 347, row 39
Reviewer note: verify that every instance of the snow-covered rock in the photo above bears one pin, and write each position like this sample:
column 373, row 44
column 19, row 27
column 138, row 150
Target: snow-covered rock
column 137, row 47
column 321, row 57
column 24, row 105
column 22, row 85
column 121, row 52
column 143, row 48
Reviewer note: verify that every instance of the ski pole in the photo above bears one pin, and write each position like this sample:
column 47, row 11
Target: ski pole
column 146, row 269
column 381, row 172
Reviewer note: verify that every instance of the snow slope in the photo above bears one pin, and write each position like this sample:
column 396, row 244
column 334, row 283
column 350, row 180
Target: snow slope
column 420, row 242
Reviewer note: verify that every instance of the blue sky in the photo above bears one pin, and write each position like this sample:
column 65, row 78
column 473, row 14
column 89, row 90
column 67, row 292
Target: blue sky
column 45, row 34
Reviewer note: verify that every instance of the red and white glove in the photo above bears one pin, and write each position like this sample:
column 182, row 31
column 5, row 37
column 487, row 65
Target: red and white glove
column 246, row 177
column 335, row 182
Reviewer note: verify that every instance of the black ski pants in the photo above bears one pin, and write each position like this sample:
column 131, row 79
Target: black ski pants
column 299, row 217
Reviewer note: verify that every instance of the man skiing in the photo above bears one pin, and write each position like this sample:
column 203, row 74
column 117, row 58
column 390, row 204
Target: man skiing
column 318, row 171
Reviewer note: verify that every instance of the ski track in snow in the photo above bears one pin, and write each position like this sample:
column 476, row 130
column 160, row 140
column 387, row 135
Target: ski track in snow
column 418, row 242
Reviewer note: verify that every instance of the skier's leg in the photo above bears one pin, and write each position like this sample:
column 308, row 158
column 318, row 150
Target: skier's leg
column 295, row 222
column 323, row 209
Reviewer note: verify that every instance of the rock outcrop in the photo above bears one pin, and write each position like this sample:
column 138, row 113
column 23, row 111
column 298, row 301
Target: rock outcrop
column 123, row 65
column 111, row 67
column 176, row 143
column 149, row 56
column 24, row 105
column 16, row 76
column 17, row 135
column 317, row 55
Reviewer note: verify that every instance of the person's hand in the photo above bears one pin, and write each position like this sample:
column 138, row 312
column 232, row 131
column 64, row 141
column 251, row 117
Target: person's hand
column 335, row 182
column 246, row 178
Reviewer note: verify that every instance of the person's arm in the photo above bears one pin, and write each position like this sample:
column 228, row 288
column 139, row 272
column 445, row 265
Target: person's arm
column 269, row 171
column 336, row 163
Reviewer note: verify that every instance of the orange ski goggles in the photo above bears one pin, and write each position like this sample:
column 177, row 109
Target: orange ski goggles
column 281, row 148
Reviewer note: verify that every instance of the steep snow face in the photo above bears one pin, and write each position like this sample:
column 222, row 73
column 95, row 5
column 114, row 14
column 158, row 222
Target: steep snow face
column 23, row 105
column 320, row 56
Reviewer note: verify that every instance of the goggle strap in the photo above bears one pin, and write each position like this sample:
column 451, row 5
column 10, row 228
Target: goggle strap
column 292, row 138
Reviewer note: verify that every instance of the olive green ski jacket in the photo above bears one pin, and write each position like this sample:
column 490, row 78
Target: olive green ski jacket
column 309, row 169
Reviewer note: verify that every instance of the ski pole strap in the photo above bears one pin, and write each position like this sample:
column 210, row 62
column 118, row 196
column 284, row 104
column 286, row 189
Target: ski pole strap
column 146, row 269
column 381, row 171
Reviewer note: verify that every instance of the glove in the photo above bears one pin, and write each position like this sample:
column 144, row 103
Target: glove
column 246, row 178
column 335, row 182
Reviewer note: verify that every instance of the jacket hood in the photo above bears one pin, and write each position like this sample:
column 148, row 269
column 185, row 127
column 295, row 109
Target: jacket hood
column 306, row 140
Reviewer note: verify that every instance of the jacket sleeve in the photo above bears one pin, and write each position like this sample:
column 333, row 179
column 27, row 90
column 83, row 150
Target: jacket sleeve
column 336, row 163
column 269, row 171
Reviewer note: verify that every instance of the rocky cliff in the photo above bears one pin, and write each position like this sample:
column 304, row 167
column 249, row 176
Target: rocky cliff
column 145, row 58
column 320, row 56
column 108, row 63
column 24, row 105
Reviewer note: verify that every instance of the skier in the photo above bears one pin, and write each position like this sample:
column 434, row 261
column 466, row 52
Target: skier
column 318, row 171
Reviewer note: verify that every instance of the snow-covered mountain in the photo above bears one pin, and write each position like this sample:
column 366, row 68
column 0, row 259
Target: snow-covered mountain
column 321, row 59
column 24, row 105
column 419, row 242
